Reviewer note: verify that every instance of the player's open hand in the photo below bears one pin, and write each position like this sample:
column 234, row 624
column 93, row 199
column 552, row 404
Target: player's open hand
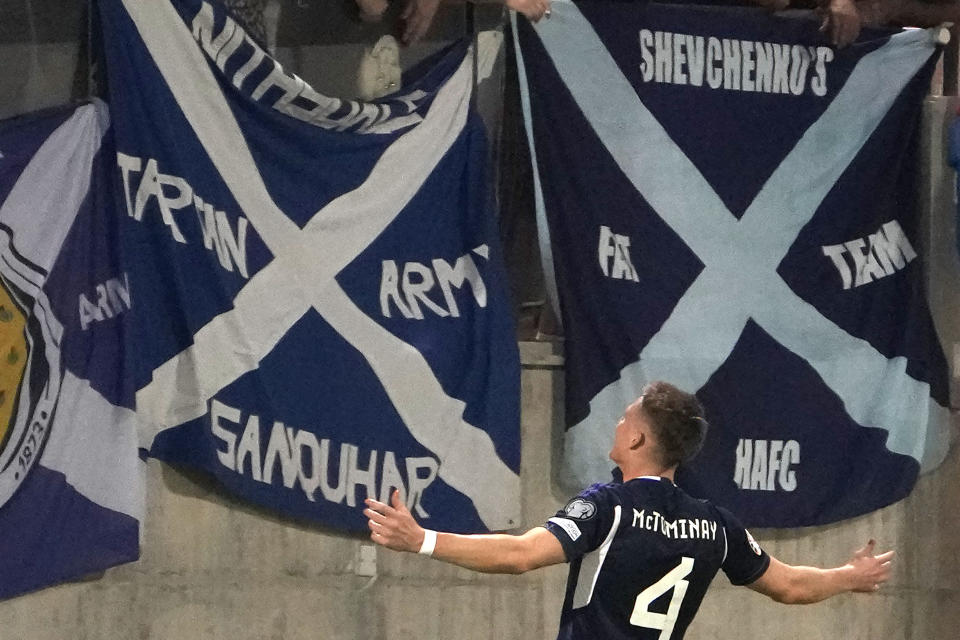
column 869, row 570
column 393, row 525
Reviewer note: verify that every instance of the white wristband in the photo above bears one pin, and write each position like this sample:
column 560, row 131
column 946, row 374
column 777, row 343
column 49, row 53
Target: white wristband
column 429, row 542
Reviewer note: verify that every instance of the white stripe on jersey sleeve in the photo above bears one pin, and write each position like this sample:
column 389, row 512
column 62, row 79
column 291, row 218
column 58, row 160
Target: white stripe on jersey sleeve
column 593, row 563
column 569, row 526
column 724, row 529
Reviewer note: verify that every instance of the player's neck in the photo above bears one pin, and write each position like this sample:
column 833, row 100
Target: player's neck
column 641, row 469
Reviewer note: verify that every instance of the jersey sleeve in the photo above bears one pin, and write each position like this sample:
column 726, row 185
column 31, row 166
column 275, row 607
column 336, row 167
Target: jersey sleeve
column 583, row 524
column 745, row 561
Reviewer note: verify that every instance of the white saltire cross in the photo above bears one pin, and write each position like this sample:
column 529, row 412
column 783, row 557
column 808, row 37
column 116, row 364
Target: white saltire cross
column 303, row 271
column 741, row 256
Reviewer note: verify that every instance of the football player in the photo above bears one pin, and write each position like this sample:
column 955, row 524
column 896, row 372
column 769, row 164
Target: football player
column 631, row 542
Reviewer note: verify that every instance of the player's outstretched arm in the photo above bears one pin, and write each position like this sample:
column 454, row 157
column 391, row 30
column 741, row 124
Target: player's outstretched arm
column 865, row 572
column 393, row 526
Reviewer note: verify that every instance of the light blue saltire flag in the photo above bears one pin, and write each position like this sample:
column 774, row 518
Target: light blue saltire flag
column 732, row 207
column 321, row 313
column 71, row 482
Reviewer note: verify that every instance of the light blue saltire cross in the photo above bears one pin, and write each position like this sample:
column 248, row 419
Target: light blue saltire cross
column 303, row 271
column 740, row 257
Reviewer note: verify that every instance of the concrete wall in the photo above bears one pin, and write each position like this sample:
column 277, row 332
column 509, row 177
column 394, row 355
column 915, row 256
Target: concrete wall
column 215, row 569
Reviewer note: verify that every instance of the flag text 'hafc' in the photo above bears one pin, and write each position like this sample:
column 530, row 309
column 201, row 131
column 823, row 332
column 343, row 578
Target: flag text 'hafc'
column 766, row 465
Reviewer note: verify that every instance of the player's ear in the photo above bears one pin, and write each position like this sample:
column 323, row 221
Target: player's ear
column 638, row 440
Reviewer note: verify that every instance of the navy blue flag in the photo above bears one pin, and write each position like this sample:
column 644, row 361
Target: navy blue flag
column 732, row 208
column 321, row 313
column 71, row 482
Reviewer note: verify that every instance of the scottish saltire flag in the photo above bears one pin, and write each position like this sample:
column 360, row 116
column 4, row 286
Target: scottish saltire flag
column 731, row 208
column 321, row 313
column 71, row 485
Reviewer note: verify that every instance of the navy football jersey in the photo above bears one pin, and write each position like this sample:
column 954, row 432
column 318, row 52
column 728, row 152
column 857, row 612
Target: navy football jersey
column 642, row 555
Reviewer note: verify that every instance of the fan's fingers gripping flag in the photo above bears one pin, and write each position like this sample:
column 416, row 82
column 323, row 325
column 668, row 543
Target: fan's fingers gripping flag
column 321, row 313
column 71, row 485
column 732, row 208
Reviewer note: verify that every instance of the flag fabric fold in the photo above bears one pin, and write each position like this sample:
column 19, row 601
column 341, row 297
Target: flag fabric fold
column 71, row 482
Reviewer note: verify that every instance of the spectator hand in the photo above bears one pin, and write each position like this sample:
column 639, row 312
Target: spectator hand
column 372, row 10
column 841, row 21
column 877, row 13
column 417, row 17
column 533, row 9
column 870, row 571
column 393, row 525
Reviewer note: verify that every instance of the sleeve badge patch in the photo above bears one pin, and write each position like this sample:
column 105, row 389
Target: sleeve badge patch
column 580, row 509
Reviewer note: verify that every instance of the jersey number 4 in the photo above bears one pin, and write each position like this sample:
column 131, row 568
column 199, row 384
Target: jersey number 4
column 643, row 617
